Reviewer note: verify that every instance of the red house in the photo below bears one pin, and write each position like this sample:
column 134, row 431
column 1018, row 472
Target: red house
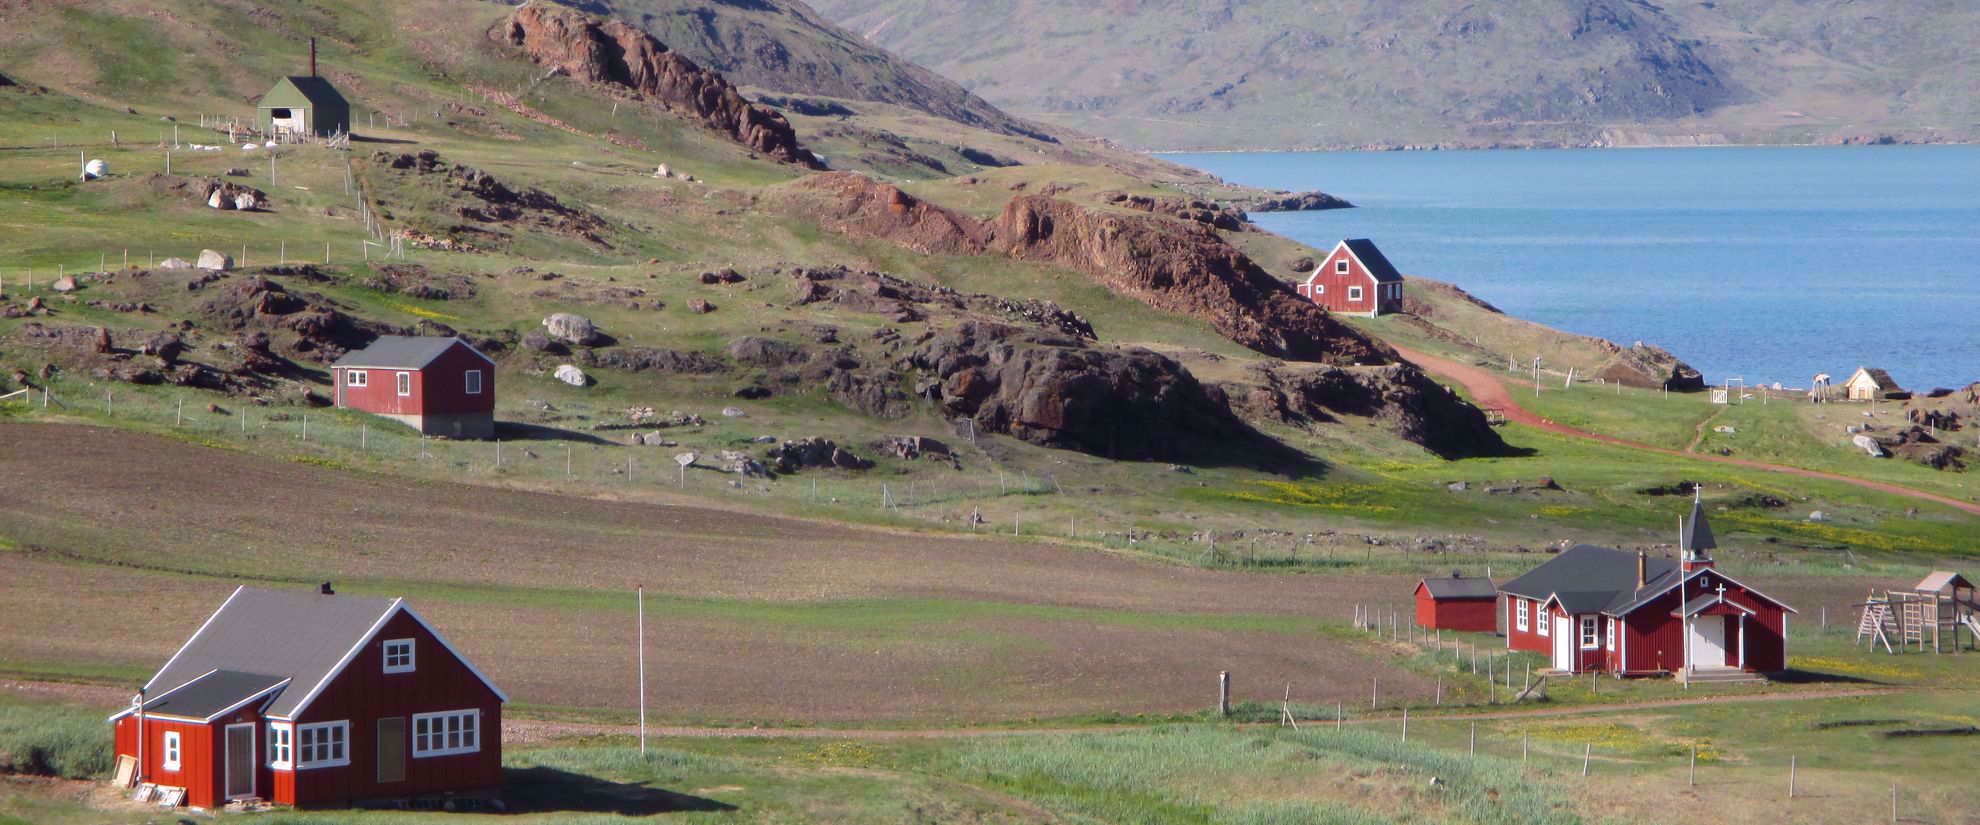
column 438, row 386
column 1600, row 609
column 1458, row 603
column 1355, row 279
column 315, row 699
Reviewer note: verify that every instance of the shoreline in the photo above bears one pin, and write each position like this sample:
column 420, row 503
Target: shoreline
column 1639, row 146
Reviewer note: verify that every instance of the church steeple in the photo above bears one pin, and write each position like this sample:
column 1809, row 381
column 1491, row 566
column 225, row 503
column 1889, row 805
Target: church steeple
column 1695, row 536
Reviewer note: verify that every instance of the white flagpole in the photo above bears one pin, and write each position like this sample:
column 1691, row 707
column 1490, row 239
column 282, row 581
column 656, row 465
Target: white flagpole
column 641, row 592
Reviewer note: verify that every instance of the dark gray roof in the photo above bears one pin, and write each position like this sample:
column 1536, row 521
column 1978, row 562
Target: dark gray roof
column 1698, row 531
column 208, row 695
column 1378, row 264
column 295, row 634
column 1590, row 579
column 317, row 89
column 405, row 352
column 1884, row 380
column 1454, row 587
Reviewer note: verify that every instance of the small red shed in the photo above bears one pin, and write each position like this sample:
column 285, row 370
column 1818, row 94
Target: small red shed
column 438, row 386
column 1458, row 603
column 315, row 699
column 1355, row 279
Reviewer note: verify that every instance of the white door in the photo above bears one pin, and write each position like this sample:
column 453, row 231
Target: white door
column 240, row 761
column 1708, row 641
column 1563, row 645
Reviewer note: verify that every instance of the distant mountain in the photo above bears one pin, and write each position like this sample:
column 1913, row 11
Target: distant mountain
column 785, row 46
column 1333, row 73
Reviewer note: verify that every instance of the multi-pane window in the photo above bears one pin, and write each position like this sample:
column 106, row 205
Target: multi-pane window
column 1610, row 641
column 447, row 732
column 323, row 745
column 1522, row 613
column 1546, row 623
column 474, row 382
column 405, row 383
column 281, row 743
column 1354, row 293
column 357, row 378
column 1341, row 267
column 1590, row 633
column 171, row 750
column 399, row 656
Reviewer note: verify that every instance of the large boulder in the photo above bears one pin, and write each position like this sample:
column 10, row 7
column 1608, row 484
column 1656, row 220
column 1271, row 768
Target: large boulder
column 175, row 263
column 571, row 329
column 791, row 456
column 571, row 375
column 212, row 261
column 66, row 283
column 764, row 352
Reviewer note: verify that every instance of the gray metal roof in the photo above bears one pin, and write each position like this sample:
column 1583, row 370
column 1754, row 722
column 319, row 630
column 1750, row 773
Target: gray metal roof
column 293, row 634
column 1698, row 531
column 1456, row 587
column 208, row 695
column 405, row 352
column 1372, row 258
column 1590, row 579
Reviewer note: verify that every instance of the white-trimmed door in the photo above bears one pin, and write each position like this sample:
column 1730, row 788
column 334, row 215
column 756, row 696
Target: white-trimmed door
column 1563, row 644
column 239, row 761
column 1708, row 641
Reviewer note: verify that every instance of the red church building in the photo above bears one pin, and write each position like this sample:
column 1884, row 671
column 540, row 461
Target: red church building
column 1355, row 279
column 438, row 386
column 314, row 699
column 1606, row 610
column 1457, row 603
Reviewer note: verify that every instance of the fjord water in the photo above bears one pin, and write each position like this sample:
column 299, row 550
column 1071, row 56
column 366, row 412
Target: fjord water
column 1763, row 263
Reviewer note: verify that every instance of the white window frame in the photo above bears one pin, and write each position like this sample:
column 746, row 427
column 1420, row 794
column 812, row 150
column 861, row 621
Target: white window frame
column 473, row 382
column 431, row 728
column 357, row 378
column 1610, row 640
column 1523, row 622
column 404, row 384
column 281, row 746
column 1546, row 622
column 1341, row 266
column 409, row 652
column 310, row 739
column 1591, row 633
column 1354, row 293
column 173, row 751
column 1319, row 289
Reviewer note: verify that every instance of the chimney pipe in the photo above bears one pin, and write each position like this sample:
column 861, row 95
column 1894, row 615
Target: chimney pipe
column 312, row 57
column 1642, row 568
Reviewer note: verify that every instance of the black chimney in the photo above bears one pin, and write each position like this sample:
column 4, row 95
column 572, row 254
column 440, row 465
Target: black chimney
column 312, row 72
column 327, row 591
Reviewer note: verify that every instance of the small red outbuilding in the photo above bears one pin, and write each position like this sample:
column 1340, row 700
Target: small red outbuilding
column 1355, row 279
column 1458, row 603
column 439, row 386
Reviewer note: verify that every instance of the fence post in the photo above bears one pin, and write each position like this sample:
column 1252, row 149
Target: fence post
column 1691, row 780
column 1224, row 694
column 1522, row 752
column 1405, row 737
column 1587, row 748
column 1337, row 715
column 1791, row 761
column 1374, row 688
column 179, row 418
column 1474, row 739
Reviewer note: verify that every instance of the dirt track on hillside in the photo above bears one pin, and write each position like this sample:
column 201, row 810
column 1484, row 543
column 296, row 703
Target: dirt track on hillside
column 1486, row 390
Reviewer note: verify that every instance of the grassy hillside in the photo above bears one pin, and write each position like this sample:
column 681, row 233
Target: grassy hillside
column 1177, row 75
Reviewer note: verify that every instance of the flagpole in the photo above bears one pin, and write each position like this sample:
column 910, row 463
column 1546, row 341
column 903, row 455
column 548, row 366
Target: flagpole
column 640, row 591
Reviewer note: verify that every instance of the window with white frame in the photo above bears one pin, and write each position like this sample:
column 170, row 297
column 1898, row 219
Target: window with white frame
column 1546, row 622
column 1354, row 293
column 171, row 750
column 281, row 745
column 1591, row 633
column 323, row 745
column 1319, row 289
column 405, row 383
column 357, row 378
column 1341, row 267
column 474, row 382
column 1522, row 613
column 399, row 656
column 446, row 732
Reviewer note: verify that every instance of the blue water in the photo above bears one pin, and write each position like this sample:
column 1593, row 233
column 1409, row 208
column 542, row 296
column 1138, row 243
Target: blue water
column 1768, row 264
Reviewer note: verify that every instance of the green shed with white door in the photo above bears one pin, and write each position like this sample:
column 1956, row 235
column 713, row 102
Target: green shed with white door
column 304, row 106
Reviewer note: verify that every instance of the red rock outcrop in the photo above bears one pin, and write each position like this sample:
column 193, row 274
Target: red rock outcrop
column 858, row 206
column 1184, row 268
column 616, row 53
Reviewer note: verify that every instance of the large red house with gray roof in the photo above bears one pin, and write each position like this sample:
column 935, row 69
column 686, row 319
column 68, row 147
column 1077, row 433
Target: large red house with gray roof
column 439, row 386
column 315, row 699
column 1600, row 609
column 1355, row 279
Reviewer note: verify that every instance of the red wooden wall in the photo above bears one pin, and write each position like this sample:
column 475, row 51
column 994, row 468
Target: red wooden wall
column 199, row 753
column 1334, row 295
column 438, row 389
column 1476, row 615
column 1530, row 638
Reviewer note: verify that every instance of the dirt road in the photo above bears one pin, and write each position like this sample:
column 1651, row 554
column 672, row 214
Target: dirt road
column 1485, row 389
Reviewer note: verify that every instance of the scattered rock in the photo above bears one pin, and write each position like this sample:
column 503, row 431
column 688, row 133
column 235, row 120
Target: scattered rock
column 734, row 412
column 212, row 261
column 164, row 346
column 571, row 375
column 571, row 329
column 700, row 306
column 764, row 352
column 722, row 276
column 792, row 456
column 1818, row 516
column 537, row 340
column 175, row 263
column 752, row 392
column 652, row 439
column 741, row 464
column 643, row 359
column 1457, row 486
column 1868, row 445
column 1298, row 202
column 66, row 283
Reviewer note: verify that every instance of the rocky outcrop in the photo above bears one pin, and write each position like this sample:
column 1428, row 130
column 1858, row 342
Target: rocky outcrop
column 651, row 359
column 855, row 205
column 617, row 54
column 1650, row 367
column 1059, row 392
column 210, row 192
column 1919, row 445
column 1189, row 209
column 792, row 456
column 1404, row 400
column 1297, row 202
column 904, row 301
column 482, row 198
column 322, row 331
column 1186, row 269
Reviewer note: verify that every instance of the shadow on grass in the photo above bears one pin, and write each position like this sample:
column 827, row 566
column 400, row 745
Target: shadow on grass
column 519, row 431
column 541, row 790
column 1796, row 676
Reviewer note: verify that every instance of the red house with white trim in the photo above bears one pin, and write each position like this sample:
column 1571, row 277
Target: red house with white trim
column 1600, row 609
column 1457, row 603
column 1355, row 279
column 438, row 386
column 315, row 699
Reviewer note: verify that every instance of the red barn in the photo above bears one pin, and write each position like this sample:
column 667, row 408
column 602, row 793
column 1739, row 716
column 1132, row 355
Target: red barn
column 1355, row 279
column 1458, row 603
column 1606, row 610
column 438, row 386
column 315, row 699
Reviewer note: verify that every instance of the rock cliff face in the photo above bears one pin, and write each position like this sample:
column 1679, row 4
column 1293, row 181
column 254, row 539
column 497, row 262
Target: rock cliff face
column 857, row 206
column 1184, row 268
column 616, row 53
column 1407, row 402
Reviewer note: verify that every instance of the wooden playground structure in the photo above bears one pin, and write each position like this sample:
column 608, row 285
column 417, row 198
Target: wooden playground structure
column 1943, row 602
